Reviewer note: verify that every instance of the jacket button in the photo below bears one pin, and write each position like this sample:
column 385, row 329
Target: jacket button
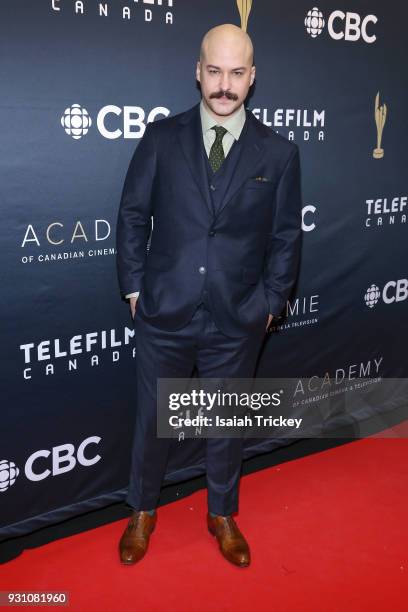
column 212, row 233
column 201, row 270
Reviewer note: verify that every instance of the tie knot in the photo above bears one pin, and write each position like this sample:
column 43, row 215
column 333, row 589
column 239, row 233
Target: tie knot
column 219, row 131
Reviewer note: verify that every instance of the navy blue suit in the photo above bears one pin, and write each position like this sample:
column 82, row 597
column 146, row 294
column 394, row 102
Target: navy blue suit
column 249, row 248
column 224, row 253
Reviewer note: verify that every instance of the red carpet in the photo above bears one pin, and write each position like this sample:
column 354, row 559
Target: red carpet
column 327, row 533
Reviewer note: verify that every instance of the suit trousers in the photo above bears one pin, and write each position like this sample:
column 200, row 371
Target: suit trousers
column 173, row 354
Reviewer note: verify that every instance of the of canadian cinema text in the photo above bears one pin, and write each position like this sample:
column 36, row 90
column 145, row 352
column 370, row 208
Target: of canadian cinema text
column 257, row 420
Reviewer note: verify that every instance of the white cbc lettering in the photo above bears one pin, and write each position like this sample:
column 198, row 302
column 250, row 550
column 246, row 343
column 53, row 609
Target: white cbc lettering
column 351, row 30
column 64, row 453
column 308, row 209
column 400, row 293
column 133, row 116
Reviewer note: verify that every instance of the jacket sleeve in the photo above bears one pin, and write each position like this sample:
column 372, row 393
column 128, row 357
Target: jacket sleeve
column 284, row 242
column 134, row 216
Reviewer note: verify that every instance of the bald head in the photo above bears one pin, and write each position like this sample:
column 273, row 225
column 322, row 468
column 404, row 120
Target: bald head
column 225, row 70
column 228, row 38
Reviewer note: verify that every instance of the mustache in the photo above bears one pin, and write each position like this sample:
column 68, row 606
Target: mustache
column 227, row 94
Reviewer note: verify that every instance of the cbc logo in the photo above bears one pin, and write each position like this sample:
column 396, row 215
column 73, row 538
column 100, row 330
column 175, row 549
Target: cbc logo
column 76, row 121
column 393, row 291
column 44, row 463
column 112, row 121
column 349, row 26
column 8, row 474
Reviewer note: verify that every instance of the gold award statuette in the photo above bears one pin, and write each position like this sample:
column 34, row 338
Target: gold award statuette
column 244, row 7
column 380, row 114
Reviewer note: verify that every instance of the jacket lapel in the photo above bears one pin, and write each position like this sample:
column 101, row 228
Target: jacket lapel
column 250, row 155
column 191, row 140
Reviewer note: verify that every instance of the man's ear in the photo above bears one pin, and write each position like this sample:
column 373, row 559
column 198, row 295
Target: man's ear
column 253, row 72
column 198, row 68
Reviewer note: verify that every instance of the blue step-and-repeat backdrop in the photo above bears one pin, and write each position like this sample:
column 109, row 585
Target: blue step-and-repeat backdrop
column 79, row 82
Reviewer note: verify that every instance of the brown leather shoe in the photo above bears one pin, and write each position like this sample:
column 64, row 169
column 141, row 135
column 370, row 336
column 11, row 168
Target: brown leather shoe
column 135, row 539
column 232, row 543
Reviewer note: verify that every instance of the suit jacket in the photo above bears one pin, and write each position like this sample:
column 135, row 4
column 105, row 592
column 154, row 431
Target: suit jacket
column 245, row 256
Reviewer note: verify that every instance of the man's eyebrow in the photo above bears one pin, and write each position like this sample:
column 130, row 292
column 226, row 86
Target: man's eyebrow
column 232, row 70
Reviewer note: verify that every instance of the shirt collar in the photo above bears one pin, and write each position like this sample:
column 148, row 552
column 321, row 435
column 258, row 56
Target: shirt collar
column 233, row 124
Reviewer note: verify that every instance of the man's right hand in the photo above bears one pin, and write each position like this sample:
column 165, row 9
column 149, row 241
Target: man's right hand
column 133, row 301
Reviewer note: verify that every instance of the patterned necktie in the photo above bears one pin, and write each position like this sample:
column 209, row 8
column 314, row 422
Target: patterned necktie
column 217, row 156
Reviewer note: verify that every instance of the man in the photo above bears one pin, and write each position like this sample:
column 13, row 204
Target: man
column 224, row 194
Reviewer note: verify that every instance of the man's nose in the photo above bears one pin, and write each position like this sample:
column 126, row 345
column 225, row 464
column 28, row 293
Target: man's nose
column 225, row 82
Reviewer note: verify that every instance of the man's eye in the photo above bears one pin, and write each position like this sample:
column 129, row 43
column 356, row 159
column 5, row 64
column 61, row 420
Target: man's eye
column 238, row 73
column 213, row 71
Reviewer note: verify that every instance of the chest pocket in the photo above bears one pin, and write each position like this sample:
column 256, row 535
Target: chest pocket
column 253, row 183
